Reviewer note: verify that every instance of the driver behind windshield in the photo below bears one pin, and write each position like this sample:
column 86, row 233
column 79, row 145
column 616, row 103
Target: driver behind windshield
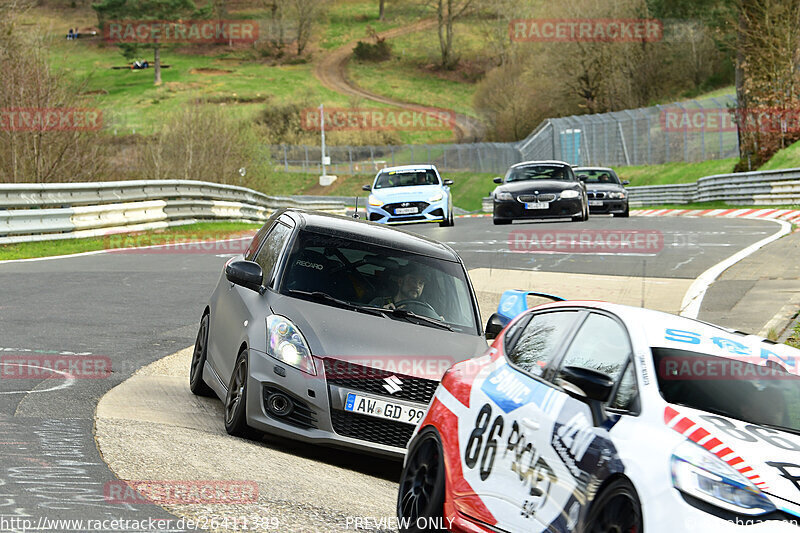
column 410, row 286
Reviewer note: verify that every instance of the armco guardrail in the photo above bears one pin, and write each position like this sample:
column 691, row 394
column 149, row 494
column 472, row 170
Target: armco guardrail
column 39, row 212
column 770, row 187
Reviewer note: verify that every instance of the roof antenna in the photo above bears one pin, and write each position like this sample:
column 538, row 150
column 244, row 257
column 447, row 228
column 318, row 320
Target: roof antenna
column 355, row 215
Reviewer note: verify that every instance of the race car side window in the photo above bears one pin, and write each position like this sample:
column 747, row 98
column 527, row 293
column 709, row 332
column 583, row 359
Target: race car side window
column 601, row 344
column 252, row 248
column 541, row 339
column 271, row 249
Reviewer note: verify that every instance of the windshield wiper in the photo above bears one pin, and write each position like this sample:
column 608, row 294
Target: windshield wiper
column 319, row 295
column 405, row 313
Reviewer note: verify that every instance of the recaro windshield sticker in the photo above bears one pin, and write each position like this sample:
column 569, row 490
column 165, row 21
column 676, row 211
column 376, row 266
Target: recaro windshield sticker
column 700, row 435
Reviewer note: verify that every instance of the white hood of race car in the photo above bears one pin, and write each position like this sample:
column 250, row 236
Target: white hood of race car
column 773, row 455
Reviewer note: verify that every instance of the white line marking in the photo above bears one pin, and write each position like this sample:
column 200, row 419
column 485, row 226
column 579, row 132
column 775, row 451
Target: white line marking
column 690, row 306
column 70, row 379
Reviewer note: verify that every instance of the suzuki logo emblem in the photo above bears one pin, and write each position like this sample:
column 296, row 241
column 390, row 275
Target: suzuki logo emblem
column 393, row 384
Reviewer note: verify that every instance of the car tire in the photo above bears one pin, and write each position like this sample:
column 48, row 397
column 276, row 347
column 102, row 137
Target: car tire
column 624, row 214
column 500, row 221
column 422, row 483
column 196, row 383
column 235, row 406
column 448, row 222
column 616, row 508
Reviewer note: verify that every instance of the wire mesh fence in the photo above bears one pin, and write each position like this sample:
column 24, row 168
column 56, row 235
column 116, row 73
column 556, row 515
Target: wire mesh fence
column 696, row 130
column 477, row 157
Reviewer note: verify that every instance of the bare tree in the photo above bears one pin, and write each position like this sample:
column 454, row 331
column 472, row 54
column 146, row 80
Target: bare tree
column 307, row 12
column 447, row 12
column 31, row 148
column 769, row 76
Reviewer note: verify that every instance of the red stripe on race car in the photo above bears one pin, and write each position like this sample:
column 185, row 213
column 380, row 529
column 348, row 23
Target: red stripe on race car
column 723, row 452
column 669, row 414
column 683, row 425
column 456, row 488
column 745, row 470
column 699, row 434
column 735, row 461
column 711, row 444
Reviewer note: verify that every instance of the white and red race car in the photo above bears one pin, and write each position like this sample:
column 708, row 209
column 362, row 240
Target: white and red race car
column 588, row 416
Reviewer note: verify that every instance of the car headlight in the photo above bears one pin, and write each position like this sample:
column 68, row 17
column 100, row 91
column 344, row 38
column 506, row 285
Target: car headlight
column 286, row 344
column 699, row 473
column 503, row 196
column 435, row 198
column 373, row 200
column 570, row 194
column 616, row 195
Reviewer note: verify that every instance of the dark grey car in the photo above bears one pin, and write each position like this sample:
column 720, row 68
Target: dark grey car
column 606, row 192
column 296, row 342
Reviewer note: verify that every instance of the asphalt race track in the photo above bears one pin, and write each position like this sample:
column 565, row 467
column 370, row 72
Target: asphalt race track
column 126, row 310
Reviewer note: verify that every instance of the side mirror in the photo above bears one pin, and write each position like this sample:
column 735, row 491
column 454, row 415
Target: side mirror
column 498, row 180
column 247, row 274
column 448, row 182
column 366, row 188
column 494, row 326
column 592, row 384
column 582, row 178
column 626, row 182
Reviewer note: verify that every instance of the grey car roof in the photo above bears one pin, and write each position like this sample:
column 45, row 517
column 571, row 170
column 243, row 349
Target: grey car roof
column 371, row 232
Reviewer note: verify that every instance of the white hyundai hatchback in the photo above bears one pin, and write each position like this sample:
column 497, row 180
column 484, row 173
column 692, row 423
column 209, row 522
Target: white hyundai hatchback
column 588, row 416
column 410, row 194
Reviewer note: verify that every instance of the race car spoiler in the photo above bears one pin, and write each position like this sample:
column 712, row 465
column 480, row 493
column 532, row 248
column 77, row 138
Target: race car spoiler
column 515, row 301
column 512, row 303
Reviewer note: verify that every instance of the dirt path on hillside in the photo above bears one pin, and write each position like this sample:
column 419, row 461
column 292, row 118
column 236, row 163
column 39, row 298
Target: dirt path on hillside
column 331, row 71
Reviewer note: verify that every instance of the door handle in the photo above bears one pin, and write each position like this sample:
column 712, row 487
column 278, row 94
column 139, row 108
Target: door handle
column 530, row 424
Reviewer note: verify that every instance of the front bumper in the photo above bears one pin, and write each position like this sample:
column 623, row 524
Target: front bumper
column 426, row 212
column 318, row 416
column 514, row 210
column 609, row 206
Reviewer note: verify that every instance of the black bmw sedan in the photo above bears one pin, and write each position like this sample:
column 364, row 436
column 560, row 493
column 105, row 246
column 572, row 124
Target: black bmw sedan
column 539, row 189
column 607, row 194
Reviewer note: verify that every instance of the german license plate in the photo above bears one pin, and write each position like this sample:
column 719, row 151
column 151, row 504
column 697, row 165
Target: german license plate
column 406, row 211
column 595, row 203
column 537, row 205
column 367, row 405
